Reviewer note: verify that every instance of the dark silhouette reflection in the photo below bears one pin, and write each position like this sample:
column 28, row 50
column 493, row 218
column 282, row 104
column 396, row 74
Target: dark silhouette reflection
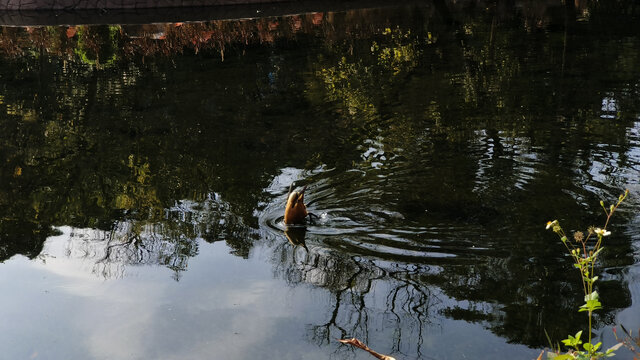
column 438, row 139
column 411, row 297
column 167, row 241
column 295, row 235
column 22, row 237
column 402, row 300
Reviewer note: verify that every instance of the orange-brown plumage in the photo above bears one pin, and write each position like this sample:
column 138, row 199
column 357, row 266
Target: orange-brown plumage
column 296, row 211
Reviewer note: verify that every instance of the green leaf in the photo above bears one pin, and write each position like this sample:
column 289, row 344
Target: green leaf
column 596, row 253
column 591, row 305
column 573, row 341
column 563, row 357
column 593, row 296
column 591, row 348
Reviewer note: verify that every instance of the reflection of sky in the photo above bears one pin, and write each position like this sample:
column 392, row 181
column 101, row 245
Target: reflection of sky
column 632, row 172
column 607, row 169
column 630, row 317
column 617, row 167
column 609, row 108
column 224, row 307
column 515, row 154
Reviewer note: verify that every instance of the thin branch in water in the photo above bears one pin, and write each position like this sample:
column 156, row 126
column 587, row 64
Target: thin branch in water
column 359, row 344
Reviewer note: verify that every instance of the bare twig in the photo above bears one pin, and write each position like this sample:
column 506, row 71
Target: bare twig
column 359, row 344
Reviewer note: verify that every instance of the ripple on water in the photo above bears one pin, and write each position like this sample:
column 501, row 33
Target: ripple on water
column 359, row 215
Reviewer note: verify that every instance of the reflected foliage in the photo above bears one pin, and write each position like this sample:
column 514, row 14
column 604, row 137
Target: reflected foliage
column 170, row 239
column 438, row 139
column 403, row 302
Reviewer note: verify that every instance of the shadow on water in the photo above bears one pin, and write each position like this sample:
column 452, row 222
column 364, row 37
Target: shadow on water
column 435, row 142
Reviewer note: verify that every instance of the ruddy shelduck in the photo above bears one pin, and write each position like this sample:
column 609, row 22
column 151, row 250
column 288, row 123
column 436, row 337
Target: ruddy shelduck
column 296, row 211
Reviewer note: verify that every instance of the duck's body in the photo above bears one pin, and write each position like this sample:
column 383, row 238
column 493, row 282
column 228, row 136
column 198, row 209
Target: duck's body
column 296, row 211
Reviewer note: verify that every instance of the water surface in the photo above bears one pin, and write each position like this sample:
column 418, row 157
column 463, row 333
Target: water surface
column 145, row 170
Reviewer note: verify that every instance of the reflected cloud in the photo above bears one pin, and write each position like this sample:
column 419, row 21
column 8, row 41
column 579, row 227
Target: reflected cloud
column 170, row 242
column 237, row 314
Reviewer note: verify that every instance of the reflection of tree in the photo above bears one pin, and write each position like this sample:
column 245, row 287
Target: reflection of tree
column 401, row 298
column 22, row 237
column 127, row 245
column 169, row 240
column 96, row 45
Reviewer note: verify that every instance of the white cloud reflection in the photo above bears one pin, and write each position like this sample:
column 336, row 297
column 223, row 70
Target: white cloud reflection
column 224, row 307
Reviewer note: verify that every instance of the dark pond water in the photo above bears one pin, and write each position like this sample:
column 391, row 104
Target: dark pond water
column 144, row 171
